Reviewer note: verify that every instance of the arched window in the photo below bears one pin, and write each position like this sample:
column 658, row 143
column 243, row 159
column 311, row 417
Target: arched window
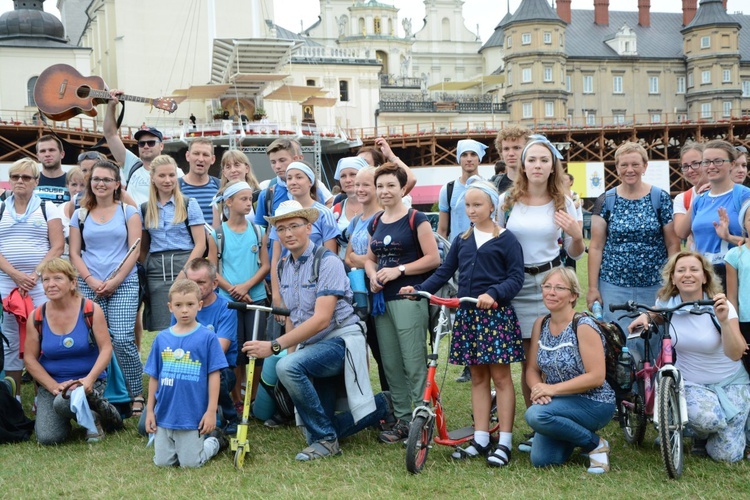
column 446, row 28
column 30, row 90
column 362, row 26
column 376, row 26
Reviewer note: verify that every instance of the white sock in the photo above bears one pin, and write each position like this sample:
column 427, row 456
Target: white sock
column 482, row 438
column 506, row 439
column 600, row 457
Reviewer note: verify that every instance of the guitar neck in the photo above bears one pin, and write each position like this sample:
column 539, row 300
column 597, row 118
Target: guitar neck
column 103, row 94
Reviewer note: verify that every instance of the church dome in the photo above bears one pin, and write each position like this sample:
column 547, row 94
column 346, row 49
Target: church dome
column 28, row 19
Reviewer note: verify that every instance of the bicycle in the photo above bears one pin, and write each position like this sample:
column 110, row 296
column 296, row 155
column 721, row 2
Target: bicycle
column 240, row 444
column 424, row 416
column 659, row 393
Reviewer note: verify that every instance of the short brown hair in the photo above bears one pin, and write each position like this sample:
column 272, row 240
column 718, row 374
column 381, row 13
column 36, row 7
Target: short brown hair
column 631, row 147
column 201, row 140
column 510, row 134
column 377, row 155
column 48, row 138
column 290, row 145
column 184, row 286
column 202, row 263
column 724, row 146
column 60, row 265
column 568, row 276
column 389, row 168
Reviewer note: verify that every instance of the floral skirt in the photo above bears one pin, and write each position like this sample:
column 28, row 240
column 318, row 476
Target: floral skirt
column 486, row 336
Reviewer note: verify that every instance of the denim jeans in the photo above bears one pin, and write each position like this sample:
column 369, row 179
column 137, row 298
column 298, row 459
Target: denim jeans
column 228, row 411
column 312, row 376
column 563, row 424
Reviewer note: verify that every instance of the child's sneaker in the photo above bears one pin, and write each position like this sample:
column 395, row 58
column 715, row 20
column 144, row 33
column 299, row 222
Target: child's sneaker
column 221, row 438
column 99, row 435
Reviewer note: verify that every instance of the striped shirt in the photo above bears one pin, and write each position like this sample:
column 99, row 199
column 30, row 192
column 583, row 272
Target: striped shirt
column 169, row 236
column 203, row 194
column 25, row 244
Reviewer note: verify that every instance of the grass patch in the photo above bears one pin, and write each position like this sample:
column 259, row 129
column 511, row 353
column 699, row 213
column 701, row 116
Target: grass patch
column 121, row 466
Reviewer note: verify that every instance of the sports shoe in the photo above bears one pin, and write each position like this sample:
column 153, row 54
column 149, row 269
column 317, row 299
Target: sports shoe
column 92, row 437
column 398, row 434
column 276, row 421
column 465, row 376
column 221, row 438
column 698, row 449
column 525, row 446
column 230, row 427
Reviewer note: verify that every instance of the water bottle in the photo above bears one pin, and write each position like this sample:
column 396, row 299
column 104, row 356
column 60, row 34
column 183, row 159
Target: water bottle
column 596, row 310
column 625, row 369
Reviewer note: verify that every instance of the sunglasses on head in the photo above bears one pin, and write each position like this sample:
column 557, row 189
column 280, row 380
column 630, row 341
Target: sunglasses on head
column 741, row 149
column 88, row 155
column 150, row 143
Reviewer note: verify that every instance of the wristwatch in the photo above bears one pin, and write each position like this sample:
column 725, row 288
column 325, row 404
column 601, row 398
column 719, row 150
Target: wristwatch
column 275, row 347
column 402, row 268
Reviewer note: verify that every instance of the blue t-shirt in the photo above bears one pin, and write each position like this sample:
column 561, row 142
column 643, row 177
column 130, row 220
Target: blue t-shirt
column 634, row 251
column 181, row 363
column 395, row 244
column 239, row 259
column 70, row 356
column 459, row 220
column 106, row 242
column 739, row 258
column 223, row 322
column 705, row 209
column 204, row 195
column 358, row 235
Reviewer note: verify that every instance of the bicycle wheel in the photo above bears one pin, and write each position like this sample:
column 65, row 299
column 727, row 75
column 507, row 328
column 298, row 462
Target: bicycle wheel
column 418, row 443
column 634, row 419
column 670, row 432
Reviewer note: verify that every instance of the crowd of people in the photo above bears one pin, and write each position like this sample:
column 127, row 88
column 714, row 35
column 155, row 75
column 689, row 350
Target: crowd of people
column 141, row 236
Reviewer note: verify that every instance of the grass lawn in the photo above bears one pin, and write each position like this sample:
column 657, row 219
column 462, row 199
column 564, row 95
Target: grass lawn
column 121, row 466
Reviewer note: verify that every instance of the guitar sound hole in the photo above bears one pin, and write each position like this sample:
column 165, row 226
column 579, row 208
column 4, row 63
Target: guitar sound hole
column 83, row 91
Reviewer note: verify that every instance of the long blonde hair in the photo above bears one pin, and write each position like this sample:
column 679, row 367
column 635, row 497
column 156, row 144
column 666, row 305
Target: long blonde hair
column 152, row 210
column 555, row 187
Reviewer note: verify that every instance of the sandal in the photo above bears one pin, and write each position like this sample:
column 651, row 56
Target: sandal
column 464, row 453
column 138, row 410
column 496, row 459
column 597, row 467
column 319, row 449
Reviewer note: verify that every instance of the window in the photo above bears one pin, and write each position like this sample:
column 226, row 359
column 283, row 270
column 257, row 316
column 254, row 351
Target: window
column 705, row 42
column 706, row 110
column 568, row 83
column 510, row 77
column 655, row 117
column 619, row 118
column 617, row 85
column 343, row 90
column 526, row 75
column 653, row 84
column 310, row 82
column 510, row 41
column 446, row 29
column 727, row 108
column 549, row 109
column 705, row 77
column 30, row 90
column 690, row 80
column 726, row 76
column 548, row 37
column 526, row 39
column 590, row 118
column 376, row 27
column 680, row 84
column 745, row 88
column 548, row 73
column 528, row 110
column 588, row 84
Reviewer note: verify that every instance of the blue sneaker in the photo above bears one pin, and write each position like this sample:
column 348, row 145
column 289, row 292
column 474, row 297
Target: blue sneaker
column 230, row 428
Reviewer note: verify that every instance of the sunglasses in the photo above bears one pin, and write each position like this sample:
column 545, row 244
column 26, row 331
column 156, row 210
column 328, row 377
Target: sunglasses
column 150, row 143
column 89, row 155
column 24, row 178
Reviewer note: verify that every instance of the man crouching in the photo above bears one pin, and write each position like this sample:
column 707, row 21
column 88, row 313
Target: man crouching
column 328, row 336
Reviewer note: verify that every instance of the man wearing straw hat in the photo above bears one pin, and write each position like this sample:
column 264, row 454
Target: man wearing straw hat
column 329, row 340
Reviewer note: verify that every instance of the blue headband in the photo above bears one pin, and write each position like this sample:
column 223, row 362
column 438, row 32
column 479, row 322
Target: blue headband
column 540, row 139
column 303, row 168
column 355, row 162
column 465, row 145
column 476, row 182
column 741, row 217
column 230, row 191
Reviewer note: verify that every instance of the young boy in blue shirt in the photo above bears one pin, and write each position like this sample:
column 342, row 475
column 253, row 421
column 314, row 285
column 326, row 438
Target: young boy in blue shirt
column 184, row 374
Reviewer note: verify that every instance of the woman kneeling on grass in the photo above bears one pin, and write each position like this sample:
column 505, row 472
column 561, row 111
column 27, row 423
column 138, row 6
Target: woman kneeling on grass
column 566, row 373
column 486, row 339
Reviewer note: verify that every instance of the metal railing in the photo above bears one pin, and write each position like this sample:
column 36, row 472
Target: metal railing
column 393, row 81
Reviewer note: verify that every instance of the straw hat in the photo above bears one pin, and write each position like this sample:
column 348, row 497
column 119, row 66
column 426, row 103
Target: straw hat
column 291, row 209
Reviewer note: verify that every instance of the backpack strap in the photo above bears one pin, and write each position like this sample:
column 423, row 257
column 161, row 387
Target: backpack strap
column 656, row 202
column 138, row 164
column 43, row 206
column 687, row 198
column 258, row 239
column 610, row 196
column 87, row 306
column 412, row 214
column 269, row 195
column 2, row 209
column 83, row 214
column 449, row 194
column 38, row 319
column 318, row 254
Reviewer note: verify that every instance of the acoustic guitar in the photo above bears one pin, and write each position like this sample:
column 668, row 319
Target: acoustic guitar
column 61, row 93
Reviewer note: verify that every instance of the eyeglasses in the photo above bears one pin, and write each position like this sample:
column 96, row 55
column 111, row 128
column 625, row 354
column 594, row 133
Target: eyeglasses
column 687, row 166
column 104, row 180
column 89, row 155
column 741, row 149
column 556, row 288
column 150, row 143
column 24, row 178
column 284, row 229
column 718, row 162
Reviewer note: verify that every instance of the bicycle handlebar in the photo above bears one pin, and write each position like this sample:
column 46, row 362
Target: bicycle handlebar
column 243, row 306
column 439, row 301
column 633, row 307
